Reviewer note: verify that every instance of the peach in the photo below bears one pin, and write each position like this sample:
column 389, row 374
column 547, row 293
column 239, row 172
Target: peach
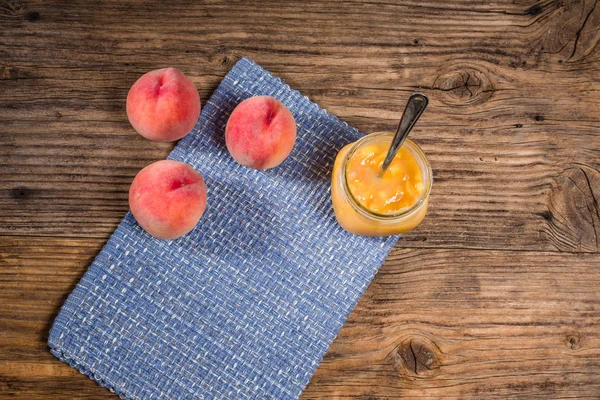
column 260, row 132
column 167, row 198
column 163, row 105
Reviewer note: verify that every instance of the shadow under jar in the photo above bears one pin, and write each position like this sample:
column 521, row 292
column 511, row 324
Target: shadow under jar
column 367, row 205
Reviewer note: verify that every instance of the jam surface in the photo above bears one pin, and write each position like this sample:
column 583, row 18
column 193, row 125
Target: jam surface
column 399, row 188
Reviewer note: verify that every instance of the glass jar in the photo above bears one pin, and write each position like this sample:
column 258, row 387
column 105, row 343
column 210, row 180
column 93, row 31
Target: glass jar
column 357, row 219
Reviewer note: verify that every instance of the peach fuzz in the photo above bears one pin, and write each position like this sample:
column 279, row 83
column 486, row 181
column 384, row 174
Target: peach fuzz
column 260, row 132
column 167, row 198
column 163, row 105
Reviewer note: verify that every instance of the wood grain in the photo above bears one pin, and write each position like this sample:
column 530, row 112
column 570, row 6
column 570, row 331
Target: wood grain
column 494, row 295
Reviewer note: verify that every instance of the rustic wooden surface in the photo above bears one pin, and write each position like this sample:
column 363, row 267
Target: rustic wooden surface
column 496, row 294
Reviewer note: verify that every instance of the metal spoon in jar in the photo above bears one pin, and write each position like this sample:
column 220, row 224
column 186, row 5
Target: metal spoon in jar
column 414, row 108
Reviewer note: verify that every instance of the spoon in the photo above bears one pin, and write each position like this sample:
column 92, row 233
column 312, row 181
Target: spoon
column 413, row 110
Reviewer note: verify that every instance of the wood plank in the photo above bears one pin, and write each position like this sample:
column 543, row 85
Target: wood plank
column 486, row 323
column 503, row 142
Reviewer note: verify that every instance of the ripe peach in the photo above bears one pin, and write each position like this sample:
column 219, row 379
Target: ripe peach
column 260, row 133
column 167, row 198
column 163, row 105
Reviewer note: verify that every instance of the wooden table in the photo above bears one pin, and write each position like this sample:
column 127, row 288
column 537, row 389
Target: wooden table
column 495, row 295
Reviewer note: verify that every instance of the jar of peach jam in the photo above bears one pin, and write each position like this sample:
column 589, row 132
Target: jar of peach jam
column 365, row 204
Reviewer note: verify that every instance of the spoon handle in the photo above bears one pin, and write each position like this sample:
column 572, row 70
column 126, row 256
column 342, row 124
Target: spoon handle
column 414, row 108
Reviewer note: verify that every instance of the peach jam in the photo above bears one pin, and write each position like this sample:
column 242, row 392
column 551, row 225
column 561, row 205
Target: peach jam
column 369, row 205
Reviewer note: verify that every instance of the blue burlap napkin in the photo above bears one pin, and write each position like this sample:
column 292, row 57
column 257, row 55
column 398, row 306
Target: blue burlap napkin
column 246, row 305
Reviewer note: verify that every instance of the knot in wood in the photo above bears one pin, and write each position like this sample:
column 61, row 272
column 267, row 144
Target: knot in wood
column 570, row 30
column 415, row 357
column 20, row 193
column 8, row 72
column 33, row 16
column 222, row 59
column 12, row 9
column 573, row 214
column 534, row 10
column 462, row 86
column 572, row 341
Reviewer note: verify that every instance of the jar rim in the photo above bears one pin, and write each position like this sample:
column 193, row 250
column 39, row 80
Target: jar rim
column 426, row 172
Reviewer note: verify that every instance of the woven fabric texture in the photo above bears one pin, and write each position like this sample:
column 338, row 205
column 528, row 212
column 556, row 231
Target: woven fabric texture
column 246, row 305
